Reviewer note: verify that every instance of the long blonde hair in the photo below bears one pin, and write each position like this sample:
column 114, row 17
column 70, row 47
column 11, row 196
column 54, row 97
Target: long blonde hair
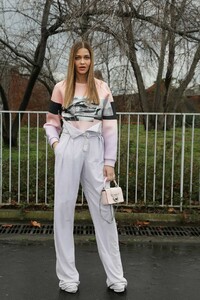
column 91, row 91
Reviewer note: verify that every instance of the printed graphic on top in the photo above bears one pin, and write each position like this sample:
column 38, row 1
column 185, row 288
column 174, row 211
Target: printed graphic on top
column 81, row 110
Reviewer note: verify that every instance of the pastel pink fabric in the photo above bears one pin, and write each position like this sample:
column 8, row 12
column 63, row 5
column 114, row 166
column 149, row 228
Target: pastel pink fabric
column 109, row 123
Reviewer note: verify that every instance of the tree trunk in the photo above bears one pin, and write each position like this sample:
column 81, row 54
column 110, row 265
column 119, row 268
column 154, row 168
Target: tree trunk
column 134, row 63
column 158, row 100
column 31, row 83
column 178, row 93
column 5, row 116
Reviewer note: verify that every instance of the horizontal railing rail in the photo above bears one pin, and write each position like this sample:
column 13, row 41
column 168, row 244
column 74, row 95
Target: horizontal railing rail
column 158, row 162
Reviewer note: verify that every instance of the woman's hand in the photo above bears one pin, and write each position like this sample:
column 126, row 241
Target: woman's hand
column 109, row 173
column 54, row 145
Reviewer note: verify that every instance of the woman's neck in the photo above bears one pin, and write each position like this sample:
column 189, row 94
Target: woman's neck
column 81, row 79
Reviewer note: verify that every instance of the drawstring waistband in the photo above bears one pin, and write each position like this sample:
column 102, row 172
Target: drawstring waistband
column 94, row 131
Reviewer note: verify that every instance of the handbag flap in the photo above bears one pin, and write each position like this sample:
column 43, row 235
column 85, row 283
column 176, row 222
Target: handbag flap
column 114, row 195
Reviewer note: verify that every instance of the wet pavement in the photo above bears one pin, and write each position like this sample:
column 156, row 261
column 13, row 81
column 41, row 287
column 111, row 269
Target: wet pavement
column 154, row 271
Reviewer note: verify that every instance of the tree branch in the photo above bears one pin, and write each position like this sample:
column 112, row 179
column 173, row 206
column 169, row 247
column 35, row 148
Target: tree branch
column 21, row 55
column 134, row 14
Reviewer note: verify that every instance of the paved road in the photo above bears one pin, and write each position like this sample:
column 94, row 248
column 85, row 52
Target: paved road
column 154, row 271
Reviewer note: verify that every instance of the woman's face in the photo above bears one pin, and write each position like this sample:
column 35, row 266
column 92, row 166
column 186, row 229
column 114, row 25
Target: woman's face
column 82, row 61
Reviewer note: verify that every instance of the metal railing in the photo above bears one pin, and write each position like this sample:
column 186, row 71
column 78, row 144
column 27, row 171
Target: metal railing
column 158, row 160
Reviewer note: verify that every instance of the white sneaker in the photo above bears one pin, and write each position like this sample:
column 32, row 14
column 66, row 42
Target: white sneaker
column 118, row 287
column 70, row 288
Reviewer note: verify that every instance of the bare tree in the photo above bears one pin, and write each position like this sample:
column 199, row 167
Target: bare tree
column 48, row 25
column 168, row 32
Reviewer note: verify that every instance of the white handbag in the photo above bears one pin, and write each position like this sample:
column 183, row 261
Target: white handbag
column 112, row 195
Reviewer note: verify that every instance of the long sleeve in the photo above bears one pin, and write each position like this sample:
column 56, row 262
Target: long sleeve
column 53, row 119
column 109, row 130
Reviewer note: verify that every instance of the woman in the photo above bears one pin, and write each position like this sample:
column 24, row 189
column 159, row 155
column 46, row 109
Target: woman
column 85, row 153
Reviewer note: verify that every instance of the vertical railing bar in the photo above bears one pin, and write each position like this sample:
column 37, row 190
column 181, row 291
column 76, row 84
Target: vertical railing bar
column 182, row 163
column 192, row 159
column 19, row 160
column 28, row 158
column 10, row 157
column 199, row 186
column 198, row 166
column 1, row 157
column 119, row 148
column 164, row 159
column 155, row 158
column 37, row 153
column 198, row 136
column 145, row 158
column 136, row 159
column 128, row 159
column 173, row 160
column 46, row 171
column 82, row 196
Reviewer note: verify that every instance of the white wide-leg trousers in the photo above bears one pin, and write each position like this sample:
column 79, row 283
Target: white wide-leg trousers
column 79, row 158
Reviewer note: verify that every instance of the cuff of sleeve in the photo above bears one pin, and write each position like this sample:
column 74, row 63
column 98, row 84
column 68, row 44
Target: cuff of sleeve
column 53, row 140
column 109, row 162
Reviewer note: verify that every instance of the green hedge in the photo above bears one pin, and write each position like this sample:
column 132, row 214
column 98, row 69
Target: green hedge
column 30, row 166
